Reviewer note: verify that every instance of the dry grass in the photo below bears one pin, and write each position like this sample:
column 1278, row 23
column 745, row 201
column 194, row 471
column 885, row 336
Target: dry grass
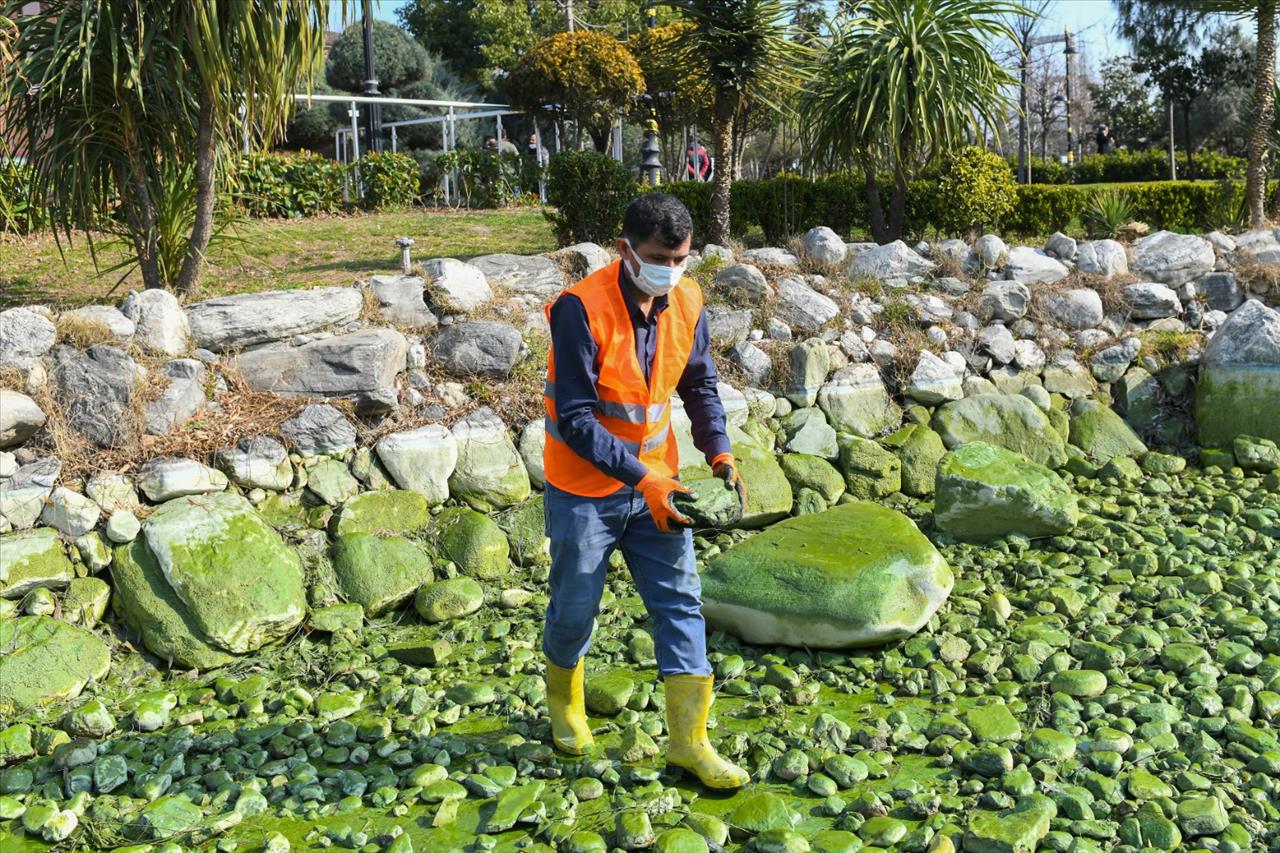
column 948, row 266
column 910, row 340
column 83, row 332
column 1258, row 277
column 1168, row 347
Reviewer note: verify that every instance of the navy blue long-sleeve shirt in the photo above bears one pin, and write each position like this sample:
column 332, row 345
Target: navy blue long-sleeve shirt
column 577, row 373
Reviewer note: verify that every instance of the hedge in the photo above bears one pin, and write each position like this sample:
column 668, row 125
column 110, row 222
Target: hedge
column 306, row 184
column 1133, row 166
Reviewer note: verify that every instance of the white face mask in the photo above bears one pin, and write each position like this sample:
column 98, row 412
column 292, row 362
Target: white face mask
column 653, row 279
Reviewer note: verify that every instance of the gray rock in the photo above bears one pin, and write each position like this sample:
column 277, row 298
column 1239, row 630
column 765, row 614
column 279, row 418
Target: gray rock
column 319, row 429
column 743, row 281
column 456, row 287
column 929, row 308
column 1220, row 290
column 1106, row 258
column 771, row 256
column 807, row 431
column 24, row 335
column 531, row 274
column 1257, row 241
column 1032, row 266
column 421, row 460
column 989, row 253
column 809, row 362
column 1172, row 258
column 181, row 399
column 160, row 325
column 933, row 381
column 823, row 246
column 855, row 400
column 401, row 301
column 728, row 325
column 896, row 264
column 1151, row 301
column 229, row 323
column 1069, row 378
column 1004, row 300
column 951, row 286
column 754, row 363
column 257, row 463
column 851, row 344
column 882, row 352
column 361, row 367
column 1223, row 244
column 20, row 418
column 776, row 330
column 94, row 389
column 1110, row 364
column 1061, row 246
column 113, row 492
column 953, row 248
column 734, row 402
column 107, row 315
column 1028, row 356
column 998, row 341
column 1078, row 308
column 171, row 477
column 583, row 259
column 711, row 250
column 1239, row 380
column 489, row 474
column 532, row 442
column 70, row 513
column 123, row 526
column 484, row 347
column 802, row 307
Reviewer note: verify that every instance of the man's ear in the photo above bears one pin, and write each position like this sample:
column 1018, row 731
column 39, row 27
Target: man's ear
column 619, row 245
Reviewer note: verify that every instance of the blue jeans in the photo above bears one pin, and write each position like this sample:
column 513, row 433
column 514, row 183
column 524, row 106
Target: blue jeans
column 583, row 533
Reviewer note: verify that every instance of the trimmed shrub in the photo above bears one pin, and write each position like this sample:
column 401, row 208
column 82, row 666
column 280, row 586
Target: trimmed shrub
column 390, row 179
column 305, row 184
column 590, row 192
column 1133, row 166
column 976, row 191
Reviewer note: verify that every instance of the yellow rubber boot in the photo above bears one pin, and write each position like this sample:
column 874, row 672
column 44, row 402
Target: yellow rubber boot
column 569, row 730
column 688, row 701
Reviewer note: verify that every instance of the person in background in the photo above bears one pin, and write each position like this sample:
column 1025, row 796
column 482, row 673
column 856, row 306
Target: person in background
column 1104, row 140
column 623, row 340
column 697, row 163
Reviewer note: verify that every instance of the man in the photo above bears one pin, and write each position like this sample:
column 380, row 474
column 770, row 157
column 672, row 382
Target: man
column 622, row 341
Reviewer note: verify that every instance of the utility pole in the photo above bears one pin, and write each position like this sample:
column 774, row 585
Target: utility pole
column 1067, row 54
column 373, row 113
column 650, row 162
column 1023, row 136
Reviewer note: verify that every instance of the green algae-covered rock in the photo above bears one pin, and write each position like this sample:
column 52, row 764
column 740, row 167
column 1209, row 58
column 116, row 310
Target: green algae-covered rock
column 145, row 602
column 1010, row 421
column 768, row 492
column 1238, row 384
column 386, row 511
column 1256, row 454
column 856, row 575
column 30, row 559
column 46, row 660
column 869, row 470
column 473, row 541
column 1017, row 830
column 1101, row 433
column 168, row 816
column 760, row 813
column 336, row 617
column 985, row 491
column 1199, row 816
column 448, row 599
column 379, row 573
column 489, row 474
column 608, row 693
column 804, row 471
column 526, row 529
column 919, row 449
column 239, row 580
column 711, row 502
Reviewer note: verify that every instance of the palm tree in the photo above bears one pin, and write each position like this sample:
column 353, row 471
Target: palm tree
column 747, row 52
column 134, row 104
column 905, row 82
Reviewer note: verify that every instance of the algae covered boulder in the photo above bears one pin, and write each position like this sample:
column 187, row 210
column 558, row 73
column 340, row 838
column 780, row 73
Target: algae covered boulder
column 379, row 572
column 984, row 492
column 144, row 601
column 525, row 526
column 240, row 582
column 1101, row 433
column 1010, row 421
column 31, row 559
column 856, row 575
column 473, row 541
column 1238, row 388
column 448, row 599
column 919, row 449
column 384, row 511
column 489, row 474
column 46, row 660
column 768, row 491
column 711, row 502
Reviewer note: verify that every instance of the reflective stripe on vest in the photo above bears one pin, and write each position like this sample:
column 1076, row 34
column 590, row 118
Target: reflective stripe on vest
column 635, row 411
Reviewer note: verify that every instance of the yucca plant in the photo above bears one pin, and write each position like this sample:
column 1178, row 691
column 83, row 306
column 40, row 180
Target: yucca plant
column 1107, row 213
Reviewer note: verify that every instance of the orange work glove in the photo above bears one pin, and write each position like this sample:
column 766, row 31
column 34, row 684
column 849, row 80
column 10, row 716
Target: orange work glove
column 657, row 491
column 724, row 467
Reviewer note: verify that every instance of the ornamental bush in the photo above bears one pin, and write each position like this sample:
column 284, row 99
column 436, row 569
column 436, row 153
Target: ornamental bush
column 273, row 185
column 975, row 192
column 590, row 192
column 390, row 179
column 1133, row 166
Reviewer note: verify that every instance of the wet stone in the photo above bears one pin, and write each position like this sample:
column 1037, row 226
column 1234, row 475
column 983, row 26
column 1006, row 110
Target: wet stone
column 1199, row 816
column 608, row 693
column 993, row 723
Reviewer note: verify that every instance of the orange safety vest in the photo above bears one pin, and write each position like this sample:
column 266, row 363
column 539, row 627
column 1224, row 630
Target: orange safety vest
column 636, row 412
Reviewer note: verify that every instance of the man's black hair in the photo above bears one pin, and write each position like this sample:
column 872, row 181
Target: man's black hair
column 659, row 217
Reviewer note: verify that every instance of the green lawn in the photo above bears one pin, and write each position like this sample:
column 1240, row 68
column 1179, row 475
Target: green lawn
column 275, row 254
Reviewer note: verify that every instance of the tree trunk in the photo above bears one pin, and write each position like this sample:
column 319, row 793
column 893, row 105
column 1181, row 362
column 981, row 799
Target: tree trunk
column 206, row 196
column 879, row 232
column 140, row 215
column 898, row 204
column 1173, row 148
column 1024, row 175
column 600, row 138
column 722, row 180
column 1186, row 133
column 1264, row 85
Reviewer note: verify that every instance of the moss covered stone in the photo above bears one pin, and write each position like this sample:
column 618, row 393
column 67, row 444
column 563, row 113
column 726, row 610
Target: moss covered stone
column 379, row 573
column 1101, row 433
column 85, row 601
column 1017, row 830
column 869, row 470
column 768, row 491
column 386, row 511
column 30, row 559
column 525, row 526
column 145, row 602
column 804, row 471
column 240, row 582
column 856, row 575
column 710, row 503
column 448, row 599
column 46, row 660
column 473, row 541
column 919, row 449
column 984, row 492
column 1010, row 421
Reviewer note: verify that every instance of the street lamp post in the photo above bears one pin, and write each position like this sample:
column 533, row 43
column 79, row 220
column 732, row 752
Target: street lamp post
column 373, row 114
column 650, row 162
column 1068, row 53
